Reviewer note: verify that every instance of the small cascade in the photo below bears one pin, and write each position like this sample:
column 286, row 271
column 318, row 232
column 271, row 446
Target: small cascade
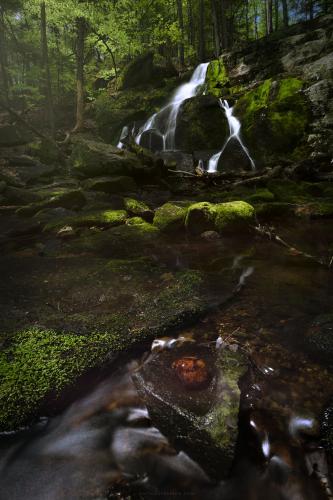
column 164, row 122
column 123, row 135
column 234, row 128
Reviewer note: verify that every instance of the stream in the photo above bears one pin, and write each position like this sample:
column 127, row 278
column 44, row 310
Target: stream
column 104, row 444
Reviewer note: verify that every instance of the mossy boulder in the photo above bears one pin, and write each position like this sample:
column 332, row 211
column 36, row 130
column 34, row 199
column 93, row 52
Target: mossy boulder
column 201, row 217
column 170, row 217
column 233, row 216
column 216, row 78
column 262, row 194
column 103, row 218
column 144, row 70
column 93, row 158
column 87, row 320
column 72, row 199
column 275, row 117
column 201, row 125
column 126, row 240
column 18, row 196
column 204, row 420
column 112, row 185
column 139, row 208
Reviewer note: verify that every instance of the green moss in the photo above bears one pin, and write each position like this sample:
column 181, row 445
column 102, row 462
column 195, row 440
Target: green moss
column 102, row 218
column 170, row 217
column 135, row 221
column 200, row 217
column 274, row 116
column 42, row 361
column 233, row 215
column 139, row 208
column 216, row 78
column 71, row 199
column 261, row 195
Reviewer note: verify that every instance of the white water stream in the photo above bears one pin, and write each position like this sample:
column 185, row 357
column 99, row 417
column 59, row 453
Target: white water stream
column 234, row 128
column 165, row 126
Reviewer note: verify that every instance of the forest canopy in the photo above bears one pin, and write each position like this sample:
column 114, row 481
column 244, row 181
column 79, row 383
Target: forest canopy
column 52, row 50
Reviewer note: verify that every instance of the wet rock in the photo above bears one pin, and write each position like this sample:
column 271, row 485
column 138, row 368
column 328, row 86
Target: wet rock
column 327, row 427
column 210, row 235
column 112, row 185
column 319, row 338
column 201, row 125
column 144, row 70
column 29, row 173
column 170, row 217
column 152, row 140
column 193, row 397
column 18, row 196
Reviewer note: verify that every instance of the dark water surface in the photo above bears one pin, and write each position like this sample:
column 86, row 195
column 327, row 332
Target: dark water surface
column 104, row 444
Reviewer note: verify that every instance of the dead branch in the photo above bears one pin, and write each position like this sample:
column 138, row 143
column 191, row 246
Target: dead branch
column 272, row 236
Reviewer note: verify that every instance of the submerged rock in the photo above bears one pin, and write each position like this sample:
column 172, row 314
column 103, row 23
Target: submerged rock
column 193, row 396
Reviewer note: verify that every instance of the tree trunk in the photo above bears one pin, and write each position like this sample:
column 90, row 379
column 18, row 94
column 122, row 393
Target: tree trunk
column 256, row 34
column 46, row 74
column 311, row 9
column 191, row 37
column 181, row 28
column 247, row 21
column 202, row 40
column 4, row 81
column 269, row 16
column 81, row 31
column 285, row 13
column 216, row 25
column 276, row 14
column 225, row 38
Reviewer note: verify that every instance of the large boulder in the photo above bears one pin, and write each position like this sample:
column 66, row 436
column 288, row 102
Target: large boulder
column 201, row 125
column 13, row 135
column 275, row 117
column 92, row 158
column 193, row 396
column 144, row 70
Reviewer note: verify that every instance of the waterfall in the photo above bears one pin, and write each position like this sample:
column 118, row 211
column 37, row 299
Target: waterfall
column 164, row 122
column 123, row 135
column 234, row 133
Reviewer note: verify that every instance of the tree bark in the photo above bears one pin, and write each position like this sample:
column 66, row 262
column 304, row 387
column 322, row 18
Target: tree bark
column 191, row 36
column 285, row 13
column 276, row 14
column 46, row 74
column 81, row 32
column 181, row 28
column 202, row 38
column 269, row 16
column 216, row 25
column 224, row 25
column 4, row 87
column 311, row 13
column 247, row 21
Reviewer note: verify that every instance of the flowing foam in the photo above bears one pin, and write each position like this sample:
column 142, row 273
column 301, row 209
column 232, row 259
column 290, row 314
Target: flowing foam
column 234, row 133
column 166, row 128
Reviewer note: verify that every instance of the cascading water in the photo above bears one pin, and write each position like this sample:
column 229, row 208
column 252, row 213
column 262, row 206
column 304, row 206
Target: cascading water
column 234, row 128
column 164, row 122
column 123, row 135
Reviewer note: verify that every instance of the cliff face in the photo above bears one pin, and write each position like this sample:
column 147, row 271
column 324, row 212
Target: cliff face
column 283, row 89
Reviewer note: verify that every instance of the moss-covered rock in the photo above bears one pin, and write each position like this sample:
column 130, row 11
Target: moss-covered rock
column 233, row 216
column 144, row 70
column 274, row 117
column 201, row 125
column 123, row 241
column 92, row 158
column 216, row 78
column 19, row 196
column 112, row 185
column 139, row 208
column 170, row 217
column 72, row 199
column 263, row 194
column 103, row 218
column 204, row 421
column 92, row 320
column 201, row 217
